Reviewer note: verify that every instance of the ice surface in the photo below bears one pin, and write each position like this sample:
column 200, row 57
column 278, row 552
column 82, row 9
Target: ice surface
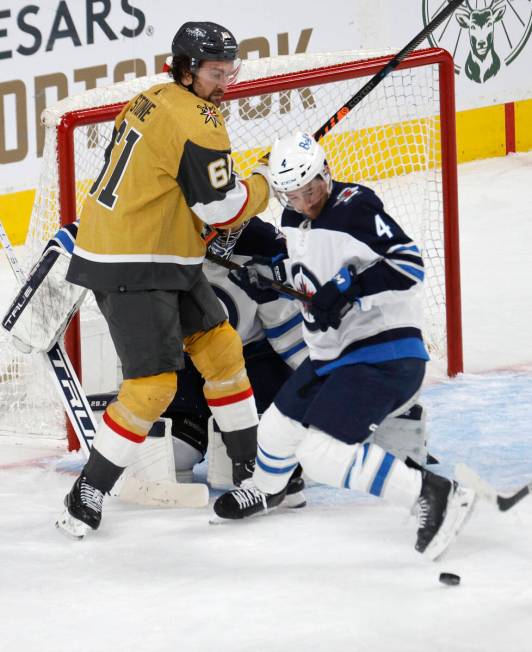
column 341, row 574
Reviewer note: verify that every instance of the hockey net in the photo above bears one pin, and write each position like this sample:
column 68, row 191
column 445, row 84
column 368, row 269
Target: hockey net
column 400, row 140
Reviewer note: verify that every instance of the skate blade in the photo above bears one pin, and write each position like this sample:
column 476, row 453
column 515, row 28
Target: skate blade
column 214, row 519
column 71, row 527
column 458, row 512
column 465, row 476
column 294, row 501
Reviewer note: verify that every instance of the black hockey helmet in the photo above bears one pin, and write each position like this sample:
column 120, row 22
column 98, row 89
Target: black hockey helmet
column 202, row 41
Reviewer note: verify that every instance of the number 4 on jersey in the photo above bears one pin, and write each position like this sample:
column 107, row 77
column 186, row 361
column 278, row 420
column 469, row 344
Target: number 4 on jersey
column 381, row 227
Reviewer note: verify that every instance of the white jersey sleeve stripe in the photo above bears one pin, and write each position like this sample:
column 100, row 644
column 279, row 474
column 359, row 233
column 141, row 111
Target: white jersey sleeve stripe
column 226, row 210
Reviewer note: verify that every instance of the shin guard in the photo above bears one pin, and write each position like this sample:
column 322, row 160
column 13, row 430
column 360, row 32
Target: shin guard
column 278, row 439
column 364, row 467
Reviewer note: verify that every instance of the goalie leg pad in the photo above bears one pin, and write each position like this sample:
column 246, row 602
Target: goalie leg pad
column 404, row 435
column 189, row 441
column 364, row 467
column 278, row 439
column 154, row 460
column 219, row 465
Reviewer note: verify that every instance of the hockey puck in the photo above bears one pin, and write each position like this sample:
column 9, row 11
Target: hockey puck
column 450, row 579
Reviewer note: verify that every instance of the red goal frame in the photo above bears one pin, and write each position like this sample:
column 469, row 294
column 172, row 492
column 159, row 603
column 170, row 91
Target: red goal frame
column 74, row 119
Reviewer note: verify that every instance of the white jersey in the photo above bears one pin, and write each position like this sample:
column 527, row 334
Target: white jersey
column 353, row 229
column 279, row 321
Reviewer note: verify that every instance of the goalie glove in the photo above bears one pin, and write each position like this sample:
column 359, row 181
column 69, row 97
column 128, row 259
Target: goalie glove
column 335, row 298
column 45, row 304
column 255, row 277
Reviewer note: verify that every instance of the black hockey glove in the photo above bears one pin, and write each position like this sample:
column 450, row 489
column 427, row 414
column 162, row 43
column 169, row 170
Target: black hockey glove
column 256, row 277
column 335, row 298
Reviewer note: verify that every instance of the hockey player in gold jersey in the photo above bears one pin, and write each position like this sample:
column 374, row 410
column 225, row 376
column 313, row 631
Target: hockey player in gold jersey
column 167, row 171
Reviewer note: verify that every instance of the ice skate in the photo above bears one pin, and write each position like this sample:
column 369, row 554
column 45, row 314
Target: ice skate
column 245, row 502
column 295, row 498
column 83, row 509
column 443, row 507
column 248, row 501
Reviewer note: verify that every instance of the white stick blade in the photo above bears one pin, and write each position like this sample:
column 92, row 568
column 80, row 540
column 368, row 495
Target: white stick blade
column 465, row 476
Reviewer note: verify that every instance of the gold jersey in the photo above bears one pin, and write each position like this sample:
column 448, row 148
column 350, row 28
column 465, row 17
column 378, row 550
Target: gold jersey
column 167, row 170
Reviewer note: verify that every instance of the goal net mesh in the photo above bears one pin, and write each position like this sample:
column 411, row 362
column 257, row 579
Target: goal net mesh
column 391, row 141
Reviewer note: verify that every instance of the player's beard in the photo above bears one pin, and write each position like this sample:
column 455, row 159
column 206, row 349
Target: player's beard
column 216, row 97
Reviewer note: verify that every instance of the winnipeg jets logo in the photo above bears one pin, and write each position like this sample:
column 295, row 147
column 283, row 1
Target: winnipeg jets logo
column 347, row 195
column 305, row 281
column 209, row 114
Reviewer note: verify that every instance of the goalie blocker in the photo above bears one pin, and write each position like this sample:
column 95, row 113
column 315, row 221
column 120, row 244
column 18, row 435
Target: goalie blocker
column 46, row 302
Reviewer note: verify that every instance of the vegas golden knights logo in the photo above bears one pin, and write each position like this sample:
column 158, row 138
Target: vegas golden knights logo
column 484, row 36
column 209, row 113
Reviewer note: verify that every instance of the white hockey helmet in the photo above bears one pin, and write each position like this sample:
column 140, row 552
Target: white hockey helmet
column 295, row 160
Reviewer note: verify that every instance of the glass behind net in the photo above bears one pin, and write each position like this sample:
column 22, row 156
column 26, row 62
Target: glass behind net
column 391, row 142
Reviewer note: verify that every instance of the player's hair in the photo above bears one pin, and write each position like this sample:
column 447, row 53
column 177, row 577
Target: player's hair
column 180, row 67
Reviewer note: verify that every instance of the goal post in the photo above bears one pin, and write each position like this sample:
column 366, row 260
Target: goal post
column 400, row 140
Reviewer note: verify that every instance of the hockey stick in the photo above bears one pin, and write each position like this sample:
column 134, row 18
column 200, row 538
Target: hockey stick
column 278, row 287
column 371, row 84
column 82, row 418
column 465, row 475
column 387, row 69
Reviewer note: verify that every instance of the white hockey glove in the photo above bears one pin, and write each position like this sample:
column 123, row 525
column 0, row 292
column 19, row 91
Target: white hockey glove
column 44, row 306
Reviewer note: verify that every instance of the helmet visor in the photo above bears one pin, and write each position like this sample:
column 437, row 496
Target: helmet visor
column 309, row 195
column 221, row 73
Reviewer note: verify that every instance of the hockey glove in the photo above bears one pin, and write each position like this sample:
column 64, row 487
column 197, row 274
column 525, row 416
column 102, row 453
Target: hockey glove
column 256, row 277
column 263, row 169
column 335, row 298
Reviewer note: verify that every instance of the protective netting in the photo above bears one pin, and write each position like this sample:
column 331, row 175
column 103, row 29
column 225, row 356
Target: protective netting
column 391, row 142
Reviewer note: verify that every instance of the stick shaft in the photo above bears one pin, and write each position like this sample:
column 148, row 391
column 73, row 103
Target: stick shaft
column 386, row 70
column 11, row 256
column 60, row 367
column 278, row 287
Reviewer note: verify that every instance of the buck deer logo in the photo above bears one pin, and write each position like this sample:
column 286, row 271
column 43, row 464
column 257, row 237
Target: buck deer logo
column 484, row 36
column 483, row 61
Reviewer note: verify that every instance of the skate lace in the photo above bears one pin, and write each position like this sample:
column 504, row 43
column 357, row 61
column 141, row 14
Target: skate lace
column 91, row 497
column 249, row 497
column 423, row 510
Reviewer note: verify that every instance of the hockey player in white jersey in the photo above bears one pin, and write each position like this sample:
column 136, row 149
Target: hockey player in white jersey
column 362, row 325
